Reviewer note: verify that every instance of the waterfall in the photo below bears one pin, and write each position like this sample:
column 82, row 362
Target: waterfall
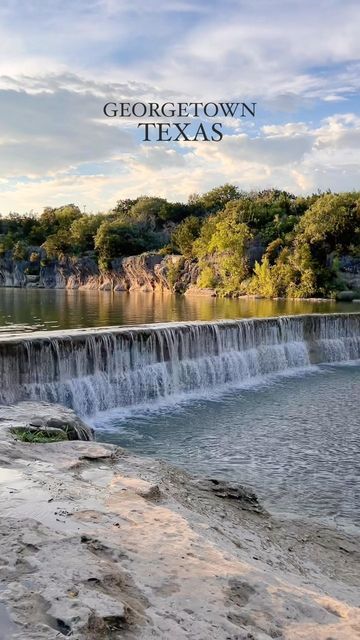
column 95, row 370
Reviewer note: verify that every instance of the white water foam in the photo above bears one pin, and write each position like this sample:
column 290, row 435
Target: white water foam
column 100, row 370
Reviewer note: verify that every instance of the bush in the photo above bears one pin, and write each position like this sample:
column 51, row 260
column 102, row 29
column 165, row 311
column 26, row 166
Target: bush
column 207, row 278
column 174, row 270
column 38, row 437
column 345, row 296
column 263, row 281
column 19, row 251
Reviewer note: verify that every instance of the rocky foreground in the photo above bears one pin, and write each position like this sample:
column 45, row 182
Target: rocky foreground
column 98, row 544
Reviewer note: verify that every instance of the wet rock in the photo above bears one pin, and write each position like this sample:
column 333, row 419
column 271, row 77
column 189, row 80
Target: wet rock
column 99, row 453
column 245, row 498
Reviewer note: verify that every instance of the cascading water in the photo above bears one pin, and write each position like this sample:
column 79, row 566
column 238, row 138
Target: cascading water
column 97, row 370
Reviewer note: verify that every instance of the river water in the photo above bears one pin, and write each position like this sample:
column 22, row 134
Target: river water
column 63, row 309
column 294, row 438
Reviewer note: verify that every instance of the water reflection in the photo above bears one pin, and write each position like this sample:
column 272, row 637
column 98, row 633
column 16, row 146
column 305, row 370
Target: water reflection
column 65, row 309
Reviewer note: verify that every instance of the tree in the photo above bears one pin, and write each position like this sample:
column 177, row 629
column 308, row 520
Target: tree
column 58, row 244
column 83, row 231
column 19, row 251
column 117, row 238
column 123, row 207
column 147, row 210
column 51, row 220
column 332, row 223
column 223, row 242
column 216, row 199
column 185, row 234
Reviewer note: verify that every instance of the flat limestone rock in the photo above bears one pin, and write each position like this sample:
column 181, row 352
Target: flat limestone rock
column 97, row 452
column 97, row 544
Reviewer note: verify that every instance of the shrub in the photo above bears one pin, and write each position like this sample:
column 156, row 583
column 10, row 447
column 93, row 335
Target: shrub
column 174, row 270
column 19, row 251
column 207, row 278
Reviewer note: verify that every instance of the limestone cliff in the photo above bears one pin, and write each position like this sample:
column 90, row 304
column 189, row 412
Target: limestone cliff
column 145, row 272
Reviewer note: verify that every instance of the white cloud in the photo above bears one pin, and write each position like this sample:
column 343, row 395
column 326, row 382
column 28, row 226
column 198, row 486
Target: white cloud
column 322, row 157
column 44, row 133
column 61, row 60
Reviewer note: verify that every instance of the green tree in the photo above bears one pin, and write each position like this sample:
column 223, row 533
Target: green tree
column 215, row 200
column 58, row 245
column 223, row 241
column 117, row 238
column 83, row 231
column 332, row 223
column 185, row 234
column 147, row 210
column 123, row 207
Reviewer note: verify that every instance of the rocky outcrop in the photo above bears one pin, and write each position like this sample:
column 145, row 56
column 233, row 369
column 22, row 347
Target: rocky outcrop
column 50, row 421
column 98, row 544
column 147, row 272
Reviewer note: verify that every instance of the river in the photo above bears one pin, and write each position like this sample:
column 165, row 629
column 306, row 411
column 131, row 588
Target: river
column 253, row 406
column 70, row 309
column 295, row 440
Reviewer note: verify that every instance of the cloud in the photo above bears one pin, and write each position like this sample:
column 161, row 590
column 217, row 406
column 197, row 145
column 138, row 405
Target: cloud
column 293, row 156
column 43, row 133
column 220, row 48
column 61, row 60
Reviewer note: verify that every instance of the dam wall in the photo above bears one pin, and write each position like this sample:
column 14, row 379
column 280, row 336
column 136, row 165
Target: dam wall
column 95, row 370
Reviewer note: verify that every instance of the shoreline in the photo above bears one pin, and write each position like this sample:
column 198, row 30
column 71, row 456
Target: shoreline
column 99, row 543
column 148, row 272
column 192, row 292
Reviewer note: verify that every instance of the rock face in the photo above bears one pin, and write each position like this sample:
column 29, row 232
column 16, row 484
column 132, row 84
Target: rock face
column 96, row 544
column 45, row 419
column 147, row 272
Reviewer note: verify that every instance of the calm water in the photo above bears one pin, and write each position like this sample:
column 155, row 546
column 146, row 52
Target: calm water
column 58, row 309
column 296, row 441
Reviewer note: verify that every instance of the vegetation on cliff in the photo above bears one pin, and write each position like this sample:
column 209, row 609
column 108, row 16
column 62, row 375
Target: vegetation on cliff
column 270, row 243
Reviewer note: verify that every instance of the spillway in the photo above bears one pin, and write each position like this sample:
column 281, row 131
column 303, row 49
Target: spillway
column 95, row 370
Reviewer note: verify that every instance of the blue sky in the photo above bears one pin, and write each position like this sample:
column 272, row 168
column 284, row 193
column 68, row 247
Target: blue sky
column 62, row 60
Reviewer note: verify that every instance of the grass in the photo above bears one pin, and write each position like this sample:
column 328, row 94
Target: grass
column 37, row 437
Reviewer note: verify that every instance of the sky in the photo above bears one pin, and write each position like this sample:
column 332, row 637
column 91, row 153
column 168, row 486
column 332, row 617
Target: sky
column 62, row 60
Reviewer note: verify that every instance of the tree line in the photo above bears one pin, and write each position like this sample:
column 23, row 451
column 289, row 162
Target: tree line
column 268, row 242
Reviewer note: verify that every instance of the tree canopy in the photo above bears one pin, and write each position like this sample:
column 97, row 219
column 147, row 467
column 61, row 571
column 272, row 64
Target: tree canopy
column 269, row 242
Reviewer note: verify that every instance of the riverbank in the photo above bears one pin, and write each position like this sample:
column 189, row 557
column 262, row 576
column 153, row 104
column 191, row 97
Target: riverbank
column 97, row 543
column 148, row 272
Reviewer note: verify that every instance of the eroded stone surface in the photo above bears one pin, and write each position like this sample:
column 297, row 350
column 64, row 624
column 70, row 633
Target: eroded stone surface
column 99, row 544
